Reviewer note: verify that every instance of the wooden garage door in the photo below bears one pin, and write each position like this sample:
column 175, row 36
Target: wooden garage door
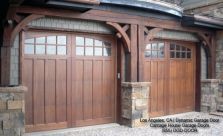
column 70, row 80
column 170, row 66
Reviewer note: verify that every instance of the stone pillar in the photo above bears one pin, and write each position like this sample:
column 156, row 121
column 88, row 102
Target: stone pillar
column 12, row 111
column 134, row 103
column 209, row 95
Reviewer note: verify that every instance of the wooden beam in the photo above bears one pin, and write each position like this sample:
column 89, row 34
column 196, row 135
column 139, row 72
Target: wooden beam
column 141, row 50
column 123, row 34
column 108, row 16
column 133, row 71
column 152, row 33
column 125, row 28
column 22, row 24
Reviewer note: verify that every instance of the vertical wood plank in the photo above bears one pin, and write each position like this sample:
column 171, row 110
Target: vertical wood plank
column 141, row 56
column 97, row 89
column 61, row 90
column 87, row 105
column 27, row 80
column 50, row 92
column 38, row 90
column 77, row 103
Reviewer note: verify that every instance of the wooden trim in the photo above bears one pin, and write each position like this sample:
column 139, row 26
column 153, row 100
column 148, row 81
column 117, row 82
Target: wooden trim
column 42, row 127
column 141, row 49
column 22, row 24
column 198, row 78
column 152, row 33
column 125, row 28
column 123, row 34
column 109, row 16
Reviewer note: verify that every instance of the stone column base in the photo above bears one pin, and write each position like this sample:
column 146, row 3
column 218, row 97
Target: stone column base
column 134, row 97
column 12, row 111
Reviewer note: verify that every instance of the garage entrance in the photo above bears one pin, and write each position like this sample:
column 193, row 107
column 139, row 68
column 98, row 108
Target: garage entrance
column 170, row 66
column 70, row 78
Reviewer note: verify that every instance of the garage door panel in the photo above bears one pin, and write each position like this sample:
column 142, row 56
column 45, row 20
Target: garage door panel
column 27, row 79
column 77, row 102
column 87, row 94
column 97, row 89
column 50, row 90
column 69, row 83
column 61, row 90
column 107, row 89
column 38, row 92
column 172, row 76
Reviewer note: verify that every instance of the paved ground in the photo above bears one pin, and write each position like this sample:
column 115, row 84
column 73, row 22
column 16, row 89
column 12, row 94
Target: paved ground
column 215, row 129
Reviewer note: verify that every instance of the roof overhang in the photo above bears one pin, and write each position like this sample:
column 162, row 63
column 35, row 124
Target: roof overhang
column 162, row 7
column 201, row 21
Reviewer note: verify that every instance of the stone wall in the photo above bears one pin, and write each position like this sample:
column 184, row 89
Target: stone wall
column 12, row 111
column 219, row 56
column 211, row 95
column 134, row 105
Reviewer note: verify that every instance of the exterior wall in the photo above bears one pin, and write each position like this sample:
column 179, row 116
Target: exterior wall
column 12, row 111
column 14, row 63
column 203, row 64
column 219, row 54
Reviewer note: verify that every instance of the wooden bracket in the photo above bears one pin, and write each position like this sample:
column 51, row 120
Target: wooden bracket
column 122, row 34
column 206, row 41
column 10, row 33
column 151, row 33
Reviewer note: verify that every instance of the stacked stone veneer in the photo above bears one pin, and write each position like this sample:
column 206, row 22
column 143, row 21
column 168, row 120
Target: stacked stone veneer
column 211, row 95
column 12, row 111
column 219, row 55
column 134, row 103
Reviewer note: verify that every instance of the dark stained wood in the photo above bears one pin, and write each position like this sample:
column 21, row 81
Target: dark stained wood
column 125, row 28
column 141, row 46
column 123, row 33
column 21, row 25
column 152, row 33
column 134, row 55
column 93, row 86
column 108, row 16
column 173, row 82
column 67, row 91
column 198, row 77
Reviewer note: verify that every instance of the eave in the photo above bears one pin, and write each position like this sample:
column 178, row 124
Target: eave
column 201, row 21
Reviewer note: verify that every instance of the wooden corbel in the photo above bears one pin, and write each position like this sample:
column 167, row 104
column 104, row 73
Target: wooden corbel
column 151, row 33
column 10, row 33
column 122, row 34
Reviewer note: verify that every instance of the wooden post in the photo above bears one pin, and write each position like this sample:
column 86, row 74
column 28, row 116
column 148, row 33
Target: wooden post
column 133, row 55
column 141, row 46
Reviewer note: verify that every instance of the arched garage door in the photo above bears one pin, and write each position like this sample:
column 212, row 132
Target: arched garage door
column 70, row 79
column 170, row 66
